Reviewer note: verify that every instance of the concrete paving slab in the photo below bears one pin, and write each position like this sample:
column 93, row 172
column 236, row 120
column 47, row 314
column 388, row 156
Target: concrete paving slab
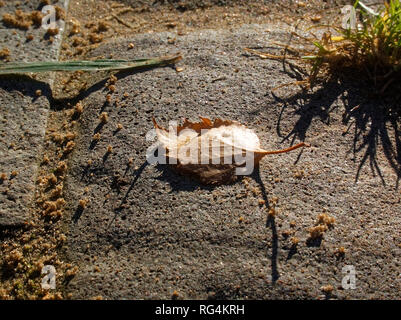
column 24, row 106
column 146, row 232
column 37, row 48
column 23, row 123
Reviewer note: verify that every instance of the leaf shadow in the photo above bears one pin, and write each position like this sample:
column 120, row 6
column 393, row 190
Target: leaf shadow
column 180, row 182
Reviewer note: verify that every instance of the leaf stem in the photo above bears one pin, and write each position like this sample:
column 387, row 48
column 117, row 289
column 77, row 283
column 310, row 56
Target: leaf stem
column 299, row 145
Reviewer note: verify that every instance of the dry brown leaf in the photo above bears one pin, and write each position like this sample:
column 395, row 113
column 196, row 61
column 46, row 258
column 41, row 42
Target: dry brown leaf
column 215, row 152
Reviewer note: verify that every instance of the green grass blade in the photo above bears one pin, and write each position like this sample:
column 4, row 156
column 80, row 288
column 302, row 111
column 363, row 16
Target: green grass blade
column 309, row 57
column 96, row 65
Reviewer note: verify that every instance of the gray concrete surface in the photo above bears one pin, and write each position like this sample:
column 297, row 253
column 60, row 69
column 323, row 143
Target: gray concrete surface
column 23, row 122
column 37, row 49
column 147, row 232
column 23, row 116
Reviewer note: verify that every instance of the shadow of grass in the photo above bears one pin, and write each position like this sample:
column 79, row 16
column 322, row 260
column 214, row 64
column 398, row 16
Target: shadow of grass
column 372, row 119
column 270, row 222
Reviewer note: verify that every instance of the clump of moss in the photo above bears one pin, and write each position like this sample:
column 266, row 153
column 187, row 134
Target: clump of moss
column 52, row 206
column 95, row 38
column 340, row 252
column 19, row 20
column 52, row 179
column 79, row 108
column 60, row 13
column 317, row 232
column 104, row 117
column 83, row 203
column 287, row 233
column 323, row 223
column 325, row 219
column 75, row 28
column 130, row 162
column 12, row 259
column 69, row 147
column 57, row 192
column 78, row 41
column 52, row 32
column 102, row 26
column 112, row 80
column 69, row 136
column 61, row 168
column 294, row 241
column 272, row 211
column 328, row 289
column 36, row 17
column 112, row 88
column 96, row 137
column 5, row 54
column 175, row 295
column 23, row 20
column 57, row 137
